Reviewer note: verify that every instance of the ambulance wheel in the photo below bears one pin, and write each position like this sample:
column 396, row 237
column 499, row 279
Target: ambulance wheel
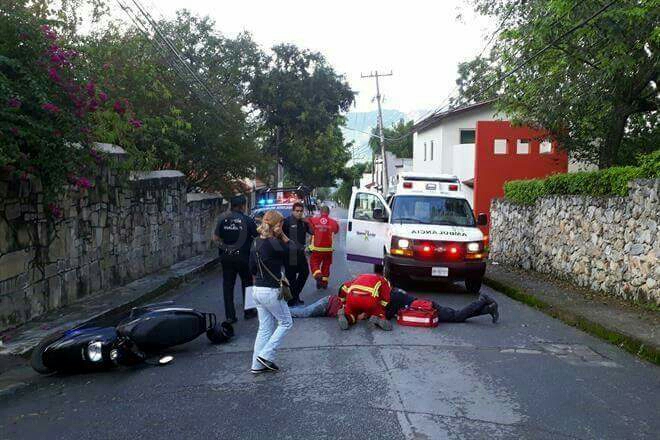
column 473, row 285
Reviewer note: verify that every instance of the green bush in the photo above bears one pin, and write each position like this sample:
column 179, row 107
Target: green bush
column 607, row 182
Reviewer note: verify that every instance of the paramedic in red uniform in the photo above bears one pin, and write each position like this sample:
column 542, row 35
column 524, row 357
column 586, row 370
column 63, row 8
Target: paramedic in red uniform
column 323, row 229
column 368, row 293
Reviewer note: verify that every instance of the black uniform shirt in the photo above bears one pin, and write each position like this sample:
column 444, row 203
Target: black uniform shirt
column 237, row 231
column 273, row 254
column 296, row 230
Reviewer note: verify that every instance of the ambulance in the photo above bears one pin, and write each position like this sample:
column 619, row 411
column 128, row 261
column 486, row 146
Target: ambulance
column 426, row 230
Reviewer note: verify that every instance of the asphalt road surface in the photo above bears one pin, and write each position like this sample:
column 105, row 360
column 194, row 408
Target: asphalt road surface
column 529, row 376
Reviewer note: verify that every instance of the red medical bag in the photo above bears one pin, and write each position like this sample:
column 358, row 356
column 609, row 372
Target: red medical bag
column 420, row 313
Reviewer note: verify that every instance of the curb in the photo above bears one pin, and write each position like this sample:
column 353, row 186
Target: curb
column 627, row 342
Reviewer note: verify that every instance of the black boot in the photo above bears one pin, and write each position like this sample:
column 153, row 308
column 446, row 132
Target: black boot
column 492, row 311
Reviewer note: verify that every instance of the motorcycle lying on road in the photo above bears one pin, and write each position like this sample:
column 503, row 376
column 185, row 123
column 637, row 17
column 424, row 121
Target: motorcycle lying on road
column 146, row 332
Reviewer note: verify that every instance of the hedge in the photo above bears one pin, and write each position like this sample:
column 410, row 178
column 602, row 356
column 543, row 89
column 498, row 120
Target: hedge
column 608, row 182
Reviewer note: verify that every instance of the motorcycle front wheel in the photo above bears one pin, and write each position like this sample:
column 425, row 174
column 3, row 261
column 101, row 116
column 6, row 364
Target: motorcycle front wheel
column 36, row 360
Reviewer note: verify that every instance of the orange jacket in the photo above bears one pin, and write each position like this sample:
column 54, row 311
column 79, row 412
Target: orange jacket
column 323, row 228
column 368, row 284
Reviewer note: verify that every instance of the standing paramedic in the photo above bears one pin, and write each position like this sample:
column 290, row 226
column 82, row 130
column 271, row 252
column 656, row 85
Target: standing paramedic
column 234, row 233
column 297, row 270
column 323, row 228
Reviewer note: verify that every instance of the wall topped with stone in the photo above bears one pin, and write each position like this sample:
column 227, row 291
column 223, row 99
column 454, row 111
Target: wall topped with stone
column 606, row 244
column 105, row 237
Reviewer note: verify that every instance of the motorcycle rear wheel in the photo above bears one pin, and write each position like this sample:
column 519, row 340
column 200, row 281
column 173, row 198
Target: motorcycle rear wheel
column 36, row 360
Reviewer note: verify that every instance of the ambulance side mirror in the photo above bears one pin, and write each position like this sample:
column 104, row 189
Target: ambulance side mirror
column 482, row 219
column 379, row 214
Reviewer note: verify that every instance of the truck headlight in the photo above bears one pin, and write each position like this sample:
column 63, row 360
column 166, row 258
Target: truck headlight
column 474, row 247
column 403, row 243
column 94, row 352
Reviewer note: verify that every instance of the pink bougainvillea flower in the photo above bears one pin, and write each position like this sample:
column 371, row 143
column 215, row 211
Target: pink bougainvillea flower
column 54, row 210
column 103, row 96
column 83, row 182
column 14, row 131
column 85, row 130
column 93, row 105
column 106, row 66
column 48, row 32
column 14, row 103
column 24, row 36
column 135, row 123
column 91, row 88
column 50, row 107
column 52, row 73
column 119, row 107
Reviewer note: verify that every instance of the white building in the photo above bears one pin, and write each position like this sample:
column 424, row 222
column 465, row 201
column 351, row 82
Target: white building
column 444, row 143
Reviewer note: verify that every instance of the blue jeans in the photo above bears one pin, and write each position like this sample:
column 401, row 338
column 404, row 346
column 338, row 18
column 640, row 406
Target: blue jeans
column 316, row 309
column 274, row 322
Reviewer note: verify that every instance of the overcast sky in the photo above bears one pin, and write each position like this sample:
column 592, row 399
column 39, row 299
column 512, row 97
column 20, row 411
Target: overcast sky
column 421, row 42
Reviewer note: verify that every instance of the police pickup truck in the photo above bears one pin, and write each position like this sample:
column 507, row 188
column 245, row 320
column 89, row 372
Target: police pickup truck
column 426, row 230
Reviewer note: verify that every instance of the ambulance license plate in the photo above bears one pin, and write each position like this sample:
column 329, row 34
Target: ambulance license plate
column 440, row 271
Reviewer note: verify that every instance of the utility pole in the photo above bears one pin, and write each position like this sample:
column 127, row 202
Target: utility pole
column 384, row 175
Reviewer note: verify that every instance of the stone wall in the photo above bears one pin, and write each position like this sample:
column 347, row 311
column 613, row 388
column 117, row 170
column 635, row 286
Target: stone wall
column 105, row 237
column 607, row 244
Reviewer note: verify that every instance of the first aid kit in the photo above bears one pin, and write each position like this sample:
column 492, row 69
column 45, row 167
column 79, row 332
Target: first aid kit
column 419, row 313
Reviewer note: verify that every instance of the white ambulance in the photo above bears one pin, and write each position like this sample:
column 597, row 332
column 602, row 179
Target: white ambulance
column 426, row 230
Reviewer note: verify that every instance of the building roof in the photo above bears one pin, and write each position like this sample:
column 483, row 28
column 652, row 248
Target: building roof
column 434, row 119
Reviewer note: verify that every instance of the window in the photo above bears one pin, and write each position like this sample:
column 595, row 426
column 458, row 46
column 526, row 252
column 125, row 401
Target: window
column 427, row 210
column 467, row 136
column 523, row 146
column 545, row 147
column 499, row 146
column 424, row 151
column 365, row 204
column 431, row 150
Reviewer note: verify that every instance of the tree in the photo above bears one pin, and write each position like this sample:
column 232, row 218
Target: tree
column 48, row 104
column 351, row 177
column 194, row 124
column 398, row 139
column 593, row 89
column 300, row 100
column 473, row 77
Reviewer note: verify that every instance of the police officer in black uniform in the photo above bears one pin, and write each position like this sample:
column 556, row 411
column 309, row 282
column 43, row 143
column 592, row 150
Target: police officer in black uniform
column 234, row 233
column 297, row 269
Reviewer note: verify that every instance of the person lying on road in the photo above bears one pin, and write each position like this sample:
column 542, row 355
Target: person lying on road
column 329, row 306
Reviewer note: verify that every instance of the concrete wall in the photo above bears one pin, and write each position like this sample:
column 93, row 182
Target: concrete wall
column 106, row 237
column 607, row 244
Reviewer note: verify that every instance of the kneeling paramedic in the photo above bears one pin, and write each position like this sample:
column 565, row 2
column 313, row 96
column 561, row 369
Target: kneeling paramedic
column 368, row 294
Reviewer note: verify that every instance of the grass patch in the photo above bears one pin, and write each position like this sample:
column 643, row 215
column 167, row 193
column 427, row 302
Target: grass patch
column 628, row 343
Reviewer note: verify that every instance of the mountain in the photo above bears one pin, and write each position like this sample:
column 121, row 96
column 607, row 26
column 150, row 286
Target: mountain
column 359, row 125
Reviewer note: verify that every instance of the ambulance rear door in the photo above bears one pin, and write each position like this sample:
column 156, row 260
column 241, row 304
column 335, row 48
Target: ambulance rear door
column 367, row 227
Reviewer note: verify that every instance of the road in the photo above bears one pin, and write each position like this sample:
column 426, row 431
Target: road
column 529, row 376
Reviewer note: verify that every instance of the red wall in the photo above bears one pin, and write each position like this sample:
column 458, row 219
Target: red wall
column 492, row 170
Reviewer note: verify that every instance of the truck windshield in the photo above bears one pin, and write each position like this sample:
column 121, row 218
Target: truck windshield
column 432, row 211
